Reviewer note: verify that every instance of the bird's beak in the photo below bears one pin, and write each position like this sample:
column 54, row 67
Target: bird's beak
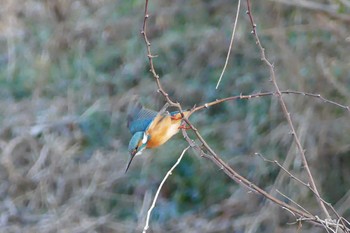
column 133, row 153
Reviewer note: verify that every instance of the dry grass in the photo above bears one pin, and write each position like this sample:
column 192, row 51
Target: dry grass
column 69, row 67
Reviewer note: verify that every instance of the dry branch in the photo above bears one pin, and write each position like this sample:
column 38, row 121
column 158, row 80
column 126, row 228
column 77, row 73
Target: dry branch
column 204, row 150
column 231, row 43
column 285, row 110
column 263, row 94
column 160, row 188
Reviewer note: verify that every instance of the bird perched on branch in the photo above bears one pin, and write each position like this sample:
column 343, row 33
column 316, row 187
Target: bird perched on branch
column 151, row 129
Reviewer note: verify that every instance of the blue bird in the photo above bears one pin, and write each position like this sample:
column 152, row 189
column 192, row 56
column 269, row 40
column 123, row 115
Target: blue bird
column 150, row 129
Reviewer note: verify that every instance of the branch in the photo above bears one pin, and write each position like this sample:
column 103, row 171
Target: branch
column 231, row 43
column 285, row 110
column 160, row 188
column 240, row 179
column 262, row 94
column 341, row 219
column 207, row 152
column 291, row 200
column 150, row 59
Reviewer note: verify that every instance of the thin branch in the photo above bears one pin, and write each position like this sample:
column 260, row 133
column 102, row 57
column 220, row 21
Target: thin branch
column 319, row 97
column 284, row 169
column 150, row 59
column 303, row 216
column 291, row 200
column 205, row 150
column 285, row 111
column 240, row 179
column 306, row 185
column 160, row 188
column 231, row 43
column 263, row 94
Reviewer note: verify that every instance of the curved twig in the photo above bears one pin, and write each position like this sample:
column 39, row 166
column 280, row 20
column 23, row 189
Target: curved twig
column 160, row 188
column 206, row 151
column 231, row 43
column 263, row 94
column 285, row 111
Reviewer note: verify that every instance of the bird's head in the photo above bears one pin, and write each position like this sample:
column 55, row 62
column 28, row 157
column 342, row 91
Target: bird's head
column 137, row 144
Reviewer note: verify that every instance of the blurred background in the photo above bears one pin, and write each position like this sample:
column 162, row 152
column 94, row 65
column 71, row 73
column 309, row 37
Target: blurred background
column 68, row 69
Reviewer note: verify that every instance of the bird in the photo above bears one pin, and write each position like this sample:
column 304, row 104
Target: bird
column 151, row 129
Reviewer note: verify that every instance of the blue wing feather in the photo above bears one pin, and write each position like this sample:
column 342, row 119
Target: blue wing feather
column 177, row 112
column 174, row 113
column 139, row 118
column 139, row 125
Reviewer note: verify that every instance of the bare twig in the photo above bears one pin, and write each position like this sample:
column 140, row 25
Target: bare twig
column 285, row 110
column 306, row 185
column 303, row 216
column 206, row 151
column 150, row 59
column 240, row 179
column 231, row 43
column 160, row 188
column 284, row 169
column 263, row 94
column 291, row 200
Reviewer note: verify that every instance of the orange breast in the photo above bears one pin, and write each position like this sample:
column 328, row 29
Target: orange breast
column 162, row 129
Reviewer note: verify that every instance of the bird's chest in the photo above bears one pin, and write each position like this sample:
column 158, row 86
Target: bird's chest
column 162, row 131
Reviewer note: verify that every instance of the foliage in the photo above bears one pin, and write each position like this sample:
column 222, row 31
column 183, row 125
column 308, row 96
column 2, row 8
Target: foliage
column 68, row 69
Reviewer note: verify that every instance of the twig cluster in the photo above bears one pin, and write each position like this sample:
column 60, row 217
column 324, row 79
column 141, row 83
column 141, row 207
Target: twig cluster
column 285, row 109
column 339, row 224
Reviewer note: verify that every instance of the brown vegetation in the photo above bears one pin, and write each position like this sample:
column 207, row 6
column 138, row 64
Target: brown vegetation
column 68, row 69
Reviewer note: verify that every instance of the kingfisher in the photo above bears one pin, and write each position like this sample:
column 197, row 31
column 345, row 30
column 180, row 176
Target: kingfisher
column 151, row 129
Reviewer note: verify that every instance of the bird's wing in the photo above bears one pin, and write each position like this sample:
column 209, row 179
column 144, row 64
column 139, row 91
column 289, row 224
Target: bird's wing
column 174, row 113
column 139, row 117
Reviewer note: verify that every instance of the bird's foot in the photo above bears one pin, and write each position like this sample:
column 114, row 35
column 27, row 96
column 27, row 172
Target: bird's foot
column 176, row 117
column 184, row 127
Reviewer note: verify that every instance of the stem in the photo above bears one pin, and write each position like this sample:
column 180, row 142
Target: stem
column 286, row 112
